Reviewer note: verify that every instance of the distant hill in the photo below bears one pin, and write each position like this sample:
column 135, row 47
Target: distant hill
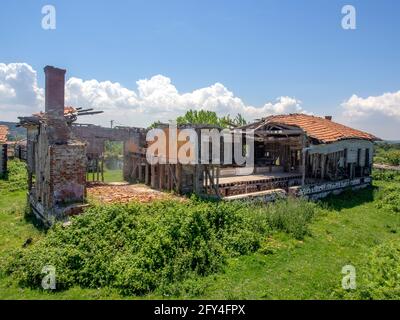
column 16, row 133
column 388, row 142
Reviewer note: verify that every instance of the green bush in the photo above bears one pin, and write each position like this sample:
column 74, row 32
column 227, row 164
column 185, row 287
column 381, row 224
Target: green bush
column 389, row 199
column 388, row 154
column 386, row 175
column 393, row 157
column 383, row 272
column 380, row 277
column 160, row 246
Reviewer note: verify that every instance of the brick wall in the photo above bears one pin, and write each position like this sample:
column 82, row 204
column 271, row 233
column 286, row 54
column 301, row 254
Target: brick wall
column 68, row 173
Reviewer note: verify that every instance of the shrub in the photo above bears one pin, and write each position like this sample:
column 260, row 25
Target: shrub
column 388, row 154
column 291, row 216
column 389, row 199
column 383, row 272
column 140, row 248
column 380, row 277
column 392, row 157
column 386, row 175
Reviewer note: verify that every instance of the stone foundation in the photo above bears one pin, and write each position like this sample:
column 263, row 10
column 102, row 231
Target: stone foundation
column 312, row 192
column 323, row 190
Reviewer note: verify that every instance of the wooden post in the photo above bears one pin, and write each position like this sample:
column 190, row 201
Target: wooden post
column 153, row 176
column 161, row 176
column 140, row 171
column 218, row 172
column 178, row 178
column 102, row 169
column 97, row 170
column 303, row 167
column 303, row 160
column 322, row 166
column 198, row 169
column 92, row 170
column 147, row 174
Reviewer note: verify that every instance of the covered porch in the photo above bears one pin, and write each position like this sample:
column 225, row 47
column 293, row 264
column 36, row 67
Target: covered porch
column 279, row 161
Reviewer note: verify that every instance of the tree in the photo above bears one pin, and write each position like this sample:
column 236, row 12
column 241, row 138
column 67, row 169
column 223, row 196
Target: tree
column 211, row 118
column 199, row 117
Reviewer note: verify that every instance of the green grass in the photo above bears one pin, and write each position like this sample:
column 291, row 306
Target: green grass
column 113, row 176
column 347, row 227
column 343, row 234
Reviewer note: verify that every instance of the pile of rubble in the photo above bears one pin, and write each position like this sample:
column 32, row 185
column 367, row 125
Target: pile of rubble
column 124, row 193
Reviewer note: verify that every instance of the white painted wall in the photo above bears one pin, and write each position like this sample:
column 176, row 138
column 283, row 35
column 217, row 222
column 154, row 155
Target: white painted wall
column 352, row 146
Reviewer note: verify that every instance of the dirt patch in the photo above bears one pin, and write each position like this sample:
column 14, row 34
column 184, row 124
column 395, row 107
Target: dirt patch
column 124, row 193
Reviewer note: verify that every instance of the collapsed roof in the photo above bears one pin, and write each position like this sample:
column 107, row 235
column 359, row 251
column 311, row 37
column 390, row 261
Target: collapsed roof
column 70, row 114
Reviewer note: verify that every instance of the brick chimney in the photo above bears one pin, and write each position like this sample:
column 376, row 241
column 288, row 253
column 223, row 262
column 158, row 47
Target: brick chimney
column 328, row 118
column 55, row 83
column 57, row 129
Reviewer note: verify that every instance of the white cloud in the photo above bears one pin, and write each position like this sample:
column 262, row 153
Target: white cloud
column 101, row 95
column 387, row 104
column 158, row 99
column 376, row 114
column 153, row 99
column 19, row 90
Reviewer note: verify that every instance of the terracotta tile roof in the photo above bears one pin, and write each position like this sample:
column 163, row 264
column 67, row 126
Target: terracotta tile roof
column 319, row 128
column 3, row 133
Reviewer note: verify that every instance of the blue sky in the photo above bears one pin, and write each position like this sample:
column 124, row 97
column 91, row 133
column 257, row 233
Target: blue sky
column 259, row 50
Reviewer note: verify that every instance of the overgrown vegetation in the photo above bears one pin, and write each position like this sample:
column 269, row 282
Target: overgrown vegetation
column 140, row 248
column 389, row 199
column 15, row 179
column 386, row 175
column 278, row 251
column 387, row 153
column 381, row 274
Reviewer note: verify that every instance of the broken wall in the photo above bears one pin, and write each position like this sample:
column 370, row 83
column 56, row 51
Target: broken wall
column 3, row 159
column 67, row 173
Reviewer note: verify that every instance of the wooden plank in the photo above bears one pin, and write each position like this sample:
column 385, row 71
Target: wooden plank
column 153, row 176
column 140, row 171
column 178, row 175
column 147, row 174
column 161, row 176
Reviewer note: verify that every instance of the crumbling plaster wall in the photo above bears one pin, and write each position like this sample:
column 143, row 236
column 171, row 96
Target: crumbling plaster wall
column 352, row 146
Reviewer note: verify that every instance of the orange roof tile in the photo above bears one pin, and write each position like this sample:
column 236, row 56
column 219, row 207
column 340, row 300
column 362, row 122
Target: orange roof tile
column 3, row 133
column 319, row 128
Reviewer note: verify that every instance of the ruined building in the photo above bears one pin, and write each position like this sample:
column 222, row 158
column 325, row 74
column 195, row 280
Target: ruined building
column 294, row 154
column 59, row 152
column 310, row 156
column 56, row 160
column 3, row 150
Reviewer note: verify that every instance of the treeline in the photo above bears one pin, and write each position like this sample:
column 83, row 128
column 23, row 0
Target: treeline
column 206, row 117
